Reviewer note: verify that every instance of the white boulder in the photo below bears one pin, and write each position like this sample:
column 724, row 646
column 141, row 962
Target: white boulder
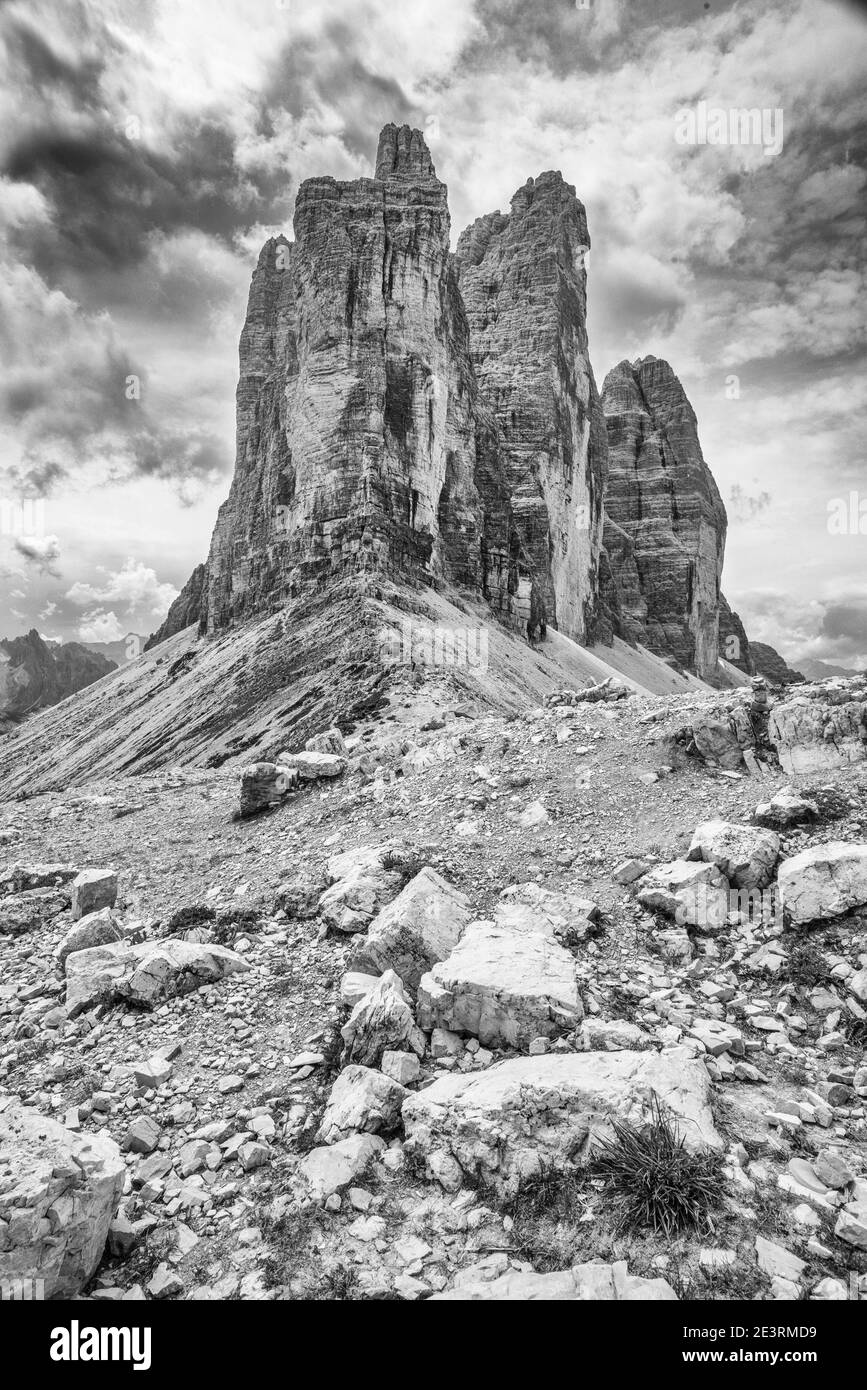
column 746, row 854
column 144, row 974
column 823, row 881
column 361, row 1101
column 502, row 985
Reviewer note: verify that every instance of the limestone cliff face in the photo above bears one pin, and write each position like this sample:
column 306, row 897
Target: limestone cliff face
column 360, row 444
column 665, row 520
column 523, row 282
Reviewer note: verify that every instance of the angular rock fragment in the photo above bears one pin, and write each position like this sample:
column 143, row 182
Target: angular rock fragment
column 96, row 929
column 420, row 927
column 361, row 1101
column 326, row 1170
column 694, row 894
column 360, row 886
column 264, row 785
column 504, row 986
column 747, row 855
column 56, row 1202
column 784, row 810
column 311, row 765
column 93, row 889
column 821, row 727
column 382, row 1021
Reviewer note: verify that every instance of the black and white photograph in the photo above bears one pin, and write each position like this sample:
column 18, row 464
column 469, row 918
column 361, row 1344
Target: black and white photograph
column 433, row 672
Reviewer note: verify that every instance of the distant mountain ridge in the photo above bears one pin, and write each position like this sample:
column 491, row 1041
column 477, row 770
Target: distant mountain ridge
column 35, row 674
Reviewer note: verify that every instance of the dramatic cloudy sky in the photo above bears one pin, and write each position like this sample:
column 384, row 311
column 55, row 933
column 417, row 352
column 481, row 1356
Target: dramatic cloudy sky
column 148, row 147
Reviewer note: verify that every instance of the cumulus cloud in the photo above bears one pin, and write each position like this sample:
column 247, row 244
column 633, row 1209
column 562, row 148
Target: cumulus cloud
column 41, row 551
column 135, row 587
column 100, row 626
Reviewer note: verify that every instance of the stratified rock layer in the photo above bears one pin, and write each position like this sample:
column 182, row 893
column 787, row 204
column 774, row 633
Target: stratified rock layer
column 523, row 282
column 665, row 520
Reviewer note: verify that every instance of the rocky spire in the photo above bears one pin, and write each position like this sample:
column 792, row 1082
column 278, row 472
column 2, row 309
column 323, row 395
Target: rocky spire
column 357, row 416
column 665, row 520
column 523, row 282
column 402, row 153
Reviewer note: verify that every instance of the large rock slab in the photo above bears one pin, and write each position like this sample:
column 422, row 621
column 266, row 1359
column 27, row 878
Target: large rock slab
column 421, row 926
column 823, row 881
column 587, row 1283
column 58, row 1194
column 362, row 1101
column 31, row 910
column 20, row 878
column 144, row 974
column 504, row 986
column 527, row 907
column 533, row 1114
column 746, row 854
column 313, row 764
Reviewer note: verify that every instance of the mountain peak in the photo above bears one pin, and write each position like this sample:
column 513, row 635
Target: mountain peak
column 403, row 153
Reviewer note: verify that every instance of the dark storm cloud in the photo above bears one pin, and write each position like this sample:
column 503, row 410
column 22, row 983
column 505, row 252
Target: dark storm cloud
column 327, row 70
column 48, row 71
column 110, row 193
column 567, row 35
column 846, row 623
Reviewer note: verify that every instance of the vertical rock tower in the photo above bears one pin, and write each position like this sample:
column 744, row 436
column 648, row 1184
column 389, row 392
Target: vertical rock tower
column 665, row 523
column 357, row 403
column 523, row 282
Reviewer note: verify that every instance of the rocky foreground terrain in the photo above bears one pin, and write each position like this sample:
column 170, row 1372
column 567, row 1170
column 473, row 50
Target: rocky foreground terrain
column 370, row 1043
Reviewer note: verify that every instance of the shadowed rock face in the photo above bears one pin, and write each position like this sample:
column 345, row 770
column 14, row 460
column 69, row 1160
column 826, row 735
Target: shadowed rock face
column 523, row 282
column 734, row 644
column 359, row 442
column 185, row 610
column 665, row 520
column 770, row 664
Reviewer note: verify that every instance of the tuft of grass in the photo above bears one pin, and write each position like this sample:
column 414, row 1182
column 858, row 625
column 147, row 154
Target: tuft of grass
column 656, row 1183
column 185, row 918
column 806, row 966
column 404, row 860
column 547, row 1216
